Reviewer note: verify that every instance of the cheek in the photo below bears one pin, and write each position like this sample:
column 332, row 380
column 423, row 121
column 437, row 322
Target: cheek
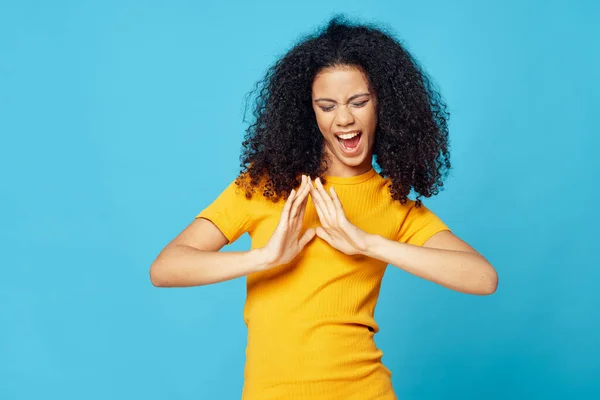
column 324, row 123
column 371, row 119
column 368, row 119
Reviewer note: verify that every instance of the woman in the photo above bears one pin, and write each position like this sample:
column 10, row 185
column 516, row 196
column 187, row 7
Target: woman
column 324, row 224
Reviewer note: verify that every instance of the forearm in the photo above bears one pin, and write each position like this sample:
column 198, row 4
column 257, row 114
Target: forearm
column 463, row 271
column 182, row 266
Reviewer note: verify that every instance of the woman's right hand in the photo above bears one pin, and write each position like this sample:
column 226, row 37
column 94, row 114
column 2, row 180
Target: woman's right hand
column 287, row 241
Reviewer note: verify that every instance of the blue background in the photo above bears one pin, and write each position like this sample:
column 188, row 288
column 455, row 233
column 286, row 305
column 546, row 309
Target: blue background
column 120, row 120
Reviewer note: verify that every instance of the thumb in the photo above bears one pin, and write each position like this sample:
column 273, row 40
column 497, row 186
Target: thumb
column 306, row 237
column 322, row 233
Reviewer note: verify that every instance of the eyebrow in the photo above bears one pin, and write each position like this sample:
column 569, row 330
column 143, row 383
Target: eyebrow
column 350, row 99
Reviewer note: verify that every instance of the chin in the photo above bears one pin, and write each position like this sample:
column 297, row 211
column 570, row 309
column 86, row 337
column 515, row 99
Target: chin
column 352, row 162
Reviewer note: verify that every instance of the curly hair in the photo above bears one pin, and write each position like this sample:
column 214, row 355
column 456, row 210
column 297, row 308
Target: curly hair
column 284, row 141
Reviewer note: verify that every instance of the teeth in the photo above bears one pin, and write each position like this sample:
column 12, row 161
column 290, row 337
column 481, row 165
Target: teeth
column 348, row 135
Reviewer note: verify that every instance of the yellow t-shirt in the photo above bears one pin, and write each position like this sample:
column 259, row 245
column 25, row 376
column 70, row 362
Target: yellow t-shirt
column 310, row 322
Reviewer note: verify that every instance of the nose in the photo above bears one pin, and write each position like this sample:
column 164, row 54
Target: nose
column 344, row 116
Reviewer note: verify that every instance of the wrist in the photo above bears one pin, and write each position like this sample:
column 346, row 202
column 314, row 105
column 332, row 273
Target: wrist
column 260, row 259
column 372, row 242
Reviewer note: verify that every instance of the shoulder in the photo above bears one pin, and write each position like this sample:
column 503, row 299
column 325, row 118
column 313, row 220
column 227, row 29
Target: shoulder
column 252, row 190
column 410, row 208
column 247, row 195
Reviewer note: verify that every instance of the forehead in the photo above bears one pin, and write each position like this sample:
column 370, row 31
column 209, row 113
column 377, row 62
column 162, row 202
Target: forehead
column 339, row 82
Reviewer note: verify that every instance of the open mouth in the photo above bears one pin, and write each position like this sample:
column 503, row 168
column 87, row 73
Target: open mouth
column 349, row 142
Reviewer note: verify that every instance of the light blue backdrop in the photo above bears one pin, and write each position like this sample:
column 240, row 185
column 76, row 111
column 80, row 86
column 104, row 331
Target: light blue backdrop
column 120, row 120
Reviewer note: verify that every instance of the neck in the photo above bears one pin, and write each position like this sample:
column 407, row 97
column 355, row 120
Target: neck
column 338, row 168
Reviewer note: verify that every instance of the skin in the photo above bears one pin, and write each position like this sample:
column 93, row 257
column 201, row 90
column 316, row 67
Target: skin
column 343, row 102
column 193, row 257
column 444, row 258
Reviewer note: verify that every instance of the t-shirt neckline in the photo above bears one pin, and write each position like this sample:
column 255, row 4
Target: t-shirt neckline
column 351, row 180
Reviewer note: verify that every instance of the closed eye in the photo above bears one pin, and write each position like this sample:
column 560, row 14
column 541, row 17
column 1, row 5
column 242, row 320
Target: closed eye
column 358, row 105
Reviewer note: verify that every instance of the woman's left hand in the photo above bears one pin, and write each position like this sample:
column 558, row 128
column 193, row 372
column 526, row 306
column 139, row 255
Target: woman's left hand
column 335, row 228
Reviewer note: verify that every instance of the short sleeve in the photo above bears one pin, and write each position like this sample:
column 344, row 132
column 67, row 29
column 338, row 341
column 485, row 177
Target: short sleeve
column 230, row 212
column 419, row 225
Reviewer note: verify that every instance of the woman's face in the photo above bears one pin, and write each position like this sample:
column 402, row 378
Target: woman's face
column 346, row 115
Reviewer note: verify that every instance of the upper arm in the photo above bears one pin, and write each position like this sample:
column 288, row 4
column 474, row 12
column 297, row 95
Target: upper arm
column 419, row 225
column 201, row 234
column 221, row 222
column 448, row 241
column 231, row 213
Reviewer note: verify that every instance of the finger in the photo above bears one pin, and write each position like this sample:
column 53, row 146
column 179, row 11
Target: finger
column 319, row 206
column 306, row 237
column 302, row 193
column 306, row 189
column 321, row 215
column 303, row 207
column 322, row 233
column 286, row 207
column 336, row 201
column 326, row 200
column 303, row 196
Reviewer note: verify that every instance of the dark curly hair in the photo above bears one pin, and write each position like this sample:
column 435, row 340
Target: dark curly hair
column 284, row 141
